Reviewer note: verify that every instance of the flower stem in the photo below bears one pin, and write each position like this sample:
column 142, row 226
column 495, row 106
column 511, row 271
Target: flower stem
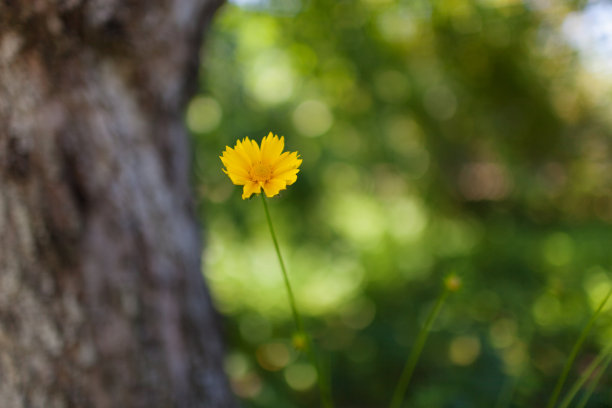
column 413, row 358
column 570, row 359
column 324, row 391
column 603, row 356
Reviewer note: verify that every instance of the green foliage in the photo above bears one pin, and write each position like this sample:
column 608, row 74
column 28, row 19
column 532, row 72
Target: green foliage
column 436, row 137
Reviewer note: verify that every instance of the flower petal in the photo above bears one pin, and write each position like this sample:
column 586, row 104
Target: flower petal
column 236, row 178
column 273, row 187
column 271, row 148
column 236, row 158
column 290, row 161
column 289, row 176
column 249, row 189
column 234, row 163
column 243, row 149
column 251, row 149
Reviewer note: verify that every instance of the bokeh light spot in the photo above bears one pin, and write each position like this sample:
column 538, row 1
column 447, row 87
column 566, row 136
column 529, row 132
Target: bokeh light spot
column 503, row 333
column 203, row 114
column 300, row 376
column 484, row 181
column 247, row 386
column 407, row 220
column 358, row 217
column 358, row 314
column 257, row 34
column 558, row 249
column 440, row 102
column 464, row 350
column 514, row 357
column 547, row 310
column 396, row 25
column 312, row 118
column 598, row 285
column 328, row 288
column 271, row 79
column 236, row 365
column 273, row 356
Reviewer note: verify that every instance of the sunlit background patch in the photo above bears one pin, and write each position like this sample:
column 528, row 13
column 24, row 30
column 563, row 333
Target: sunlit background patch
column 437, row 136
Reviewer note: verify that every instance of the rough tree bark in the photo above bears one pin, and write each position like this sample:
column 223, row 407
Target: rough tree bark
column 102, row 302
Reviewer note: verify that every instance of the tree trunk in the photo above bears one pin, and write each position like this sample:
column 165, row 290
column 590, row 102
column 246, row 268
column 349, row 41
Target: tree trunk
column 102, row 302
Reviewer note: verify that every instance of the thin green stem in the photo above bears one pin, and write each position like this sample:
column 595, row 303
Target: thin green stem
column 413, row 358
column 584, row 377
column 324, row 390
column 572, row 356
column 296, row 316
column 587, row 395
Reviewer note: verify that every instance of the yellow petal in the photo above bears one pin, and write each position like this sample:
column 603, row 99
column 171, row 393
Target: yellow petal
column 242, row 149
column 288, row 162
column 289, row 176
column 271, row 148
column 273, row 187
column 251, row 150
column 280, row 158
column 249, row 189
column 235, row 165
column 238, row 180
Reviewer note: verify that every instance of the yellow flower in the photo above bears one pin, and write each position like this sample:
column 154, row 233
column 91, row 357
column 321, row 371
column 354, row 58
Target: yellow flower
column 255, row 168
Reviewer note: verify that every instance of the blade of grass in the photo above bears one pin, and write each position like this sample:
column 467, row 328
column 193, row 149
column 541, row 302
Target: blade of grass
column 451, row 284
column 572, row 356
column 587, row 395
column 584, row 377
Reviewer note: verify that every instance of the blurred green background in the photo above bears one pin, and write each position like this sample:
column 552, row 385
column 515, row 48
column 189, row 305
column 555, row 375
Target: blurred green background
column 455, row 135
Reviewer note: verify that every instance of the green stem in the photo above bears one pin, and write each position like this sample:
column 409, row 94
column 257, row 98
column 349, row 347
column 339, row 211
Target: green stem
column 604, row 355
column 323, row 388
column 589, row 391
column 413, row 358
column 570, row 360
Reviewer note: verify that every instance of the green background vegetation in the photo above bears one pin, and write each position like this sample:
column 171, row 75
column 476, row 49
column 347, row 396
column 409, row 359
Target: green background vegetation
column 436, row 137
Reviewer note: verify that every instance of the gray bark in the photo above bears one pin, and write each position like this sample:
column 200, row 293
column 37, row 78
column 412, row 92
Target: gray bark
column 102, row 302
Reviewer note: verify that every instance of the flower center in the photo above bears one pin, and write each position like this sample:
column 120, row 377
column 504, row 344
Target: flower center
column 262, row 172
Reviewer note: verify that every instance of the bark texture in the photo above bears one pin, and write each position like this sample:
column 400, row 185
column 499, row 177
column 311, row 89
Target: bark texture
column 102, row 302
